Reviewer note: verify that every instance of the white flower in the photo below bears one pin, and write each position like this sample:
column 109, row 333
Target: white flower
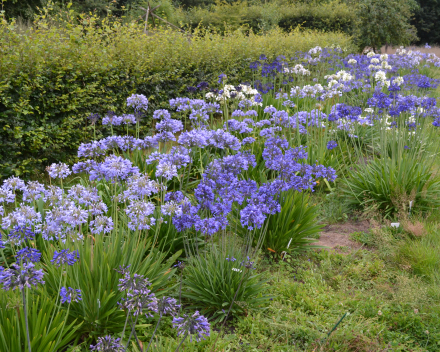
column 371, row 54
column 332, row 83
column 374, row 60
column 398, row 81
column 315, row 50
column 384, row 57
column 369, row 110
column 352, row 62
column 380, row 76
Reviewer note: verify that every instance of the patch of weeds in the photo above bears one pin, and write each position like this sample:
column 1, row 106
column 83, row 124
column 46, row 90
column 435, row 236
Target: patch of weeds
column 333, row 208
column 363, row 237
column 422, row 254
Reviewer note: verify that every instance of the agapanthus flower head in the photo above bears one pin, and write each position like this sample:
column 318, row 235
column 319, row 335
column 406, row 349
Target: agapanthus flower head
column 112, row 119
column 331, row 145
column 33, row 191
column 17, row 276
column 101, row 224
column 167, row 305
column 195, row 138
column 191, row 89
column 128, row 119
column 65, row 257
column 180, row 265
column 195, row 324
column 70, row 295
column 171, row 208
column 139, row 213
column 27, row 255
column 114, row 168
column 93, row 118
column 248, row 264
column 14, row 183
column 140, row 302
column 140, row 186
column 222, row 77
column 6, row 195
column 203, row 85
column 107, row 344
column 166, row 170
column 252, row 216
column 132, row 283
column 60, row 170
column 169, row 125
column 161, row 114
column 138, row 102
column 20, row 234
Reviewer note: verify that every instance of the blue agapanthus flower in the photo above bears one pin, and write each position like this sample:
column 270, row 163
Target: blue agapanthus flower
column 70, row 295
column 331, row 145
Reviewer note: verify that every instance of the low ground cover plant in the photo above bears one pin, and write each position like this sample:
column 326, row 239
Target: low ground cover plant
column 159, row 240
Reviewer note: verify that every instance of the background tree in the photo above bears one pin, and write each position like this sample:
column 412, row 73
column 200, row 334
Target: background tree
column 384, row 21
column 427, row 21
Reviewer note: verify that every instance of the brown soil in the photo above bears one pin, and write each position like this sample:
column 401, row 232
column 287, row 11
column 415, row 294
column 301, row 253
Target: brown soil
column 336, row 236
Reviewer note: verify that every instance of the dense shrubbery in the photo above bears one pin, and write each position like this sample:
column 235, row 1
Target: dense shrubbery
column 331, row 16
column 53, row 78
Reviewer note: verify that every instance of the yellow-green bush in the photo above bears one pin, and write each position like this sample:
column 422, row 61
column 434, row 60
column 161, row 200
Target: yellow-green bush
column 53, row 77
column 327, row 16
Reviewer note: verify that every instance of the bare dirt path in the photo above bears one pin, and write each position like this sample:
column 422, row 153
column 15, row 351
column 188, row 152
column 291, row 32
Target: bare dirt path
column 338, row 235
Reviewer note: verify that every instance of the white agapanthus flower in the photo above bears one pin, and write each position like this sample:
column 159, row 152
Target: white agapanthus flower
column 374, row 60
column 398, row 81
column 352, row 62
column 332, row 83
column 231, row 92
column 370, row 54
column 340, row 76
column 380, row 76
column 315, row 50
column 298, row 70
column 385, row 65
column 384, row 57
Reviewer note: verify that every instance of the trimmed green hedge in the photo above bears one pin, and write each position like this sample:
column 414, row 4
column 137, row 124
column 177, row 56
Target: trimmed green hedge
column 52, row 78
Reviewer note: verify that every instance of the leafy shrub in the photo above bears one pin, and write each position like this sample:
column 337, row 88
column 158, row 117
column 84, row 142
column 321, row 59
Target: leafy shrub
column 96, row 275
column 43, row 336
column 213, row 279
column 389, row 184
column 53, row 78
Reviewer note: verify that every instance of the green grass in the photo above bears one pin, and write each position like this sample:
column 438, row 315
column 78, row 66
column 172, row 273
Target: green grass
column 388, row 294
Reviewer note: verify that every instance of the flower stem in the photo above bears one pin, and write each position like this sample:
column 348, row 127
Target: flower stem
column 180, row 344
column 180, row 292
column 26, row 319
column 154, row 332
column 230, row 308
column 131, row 333
column 125, row 325
column 135, row 335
